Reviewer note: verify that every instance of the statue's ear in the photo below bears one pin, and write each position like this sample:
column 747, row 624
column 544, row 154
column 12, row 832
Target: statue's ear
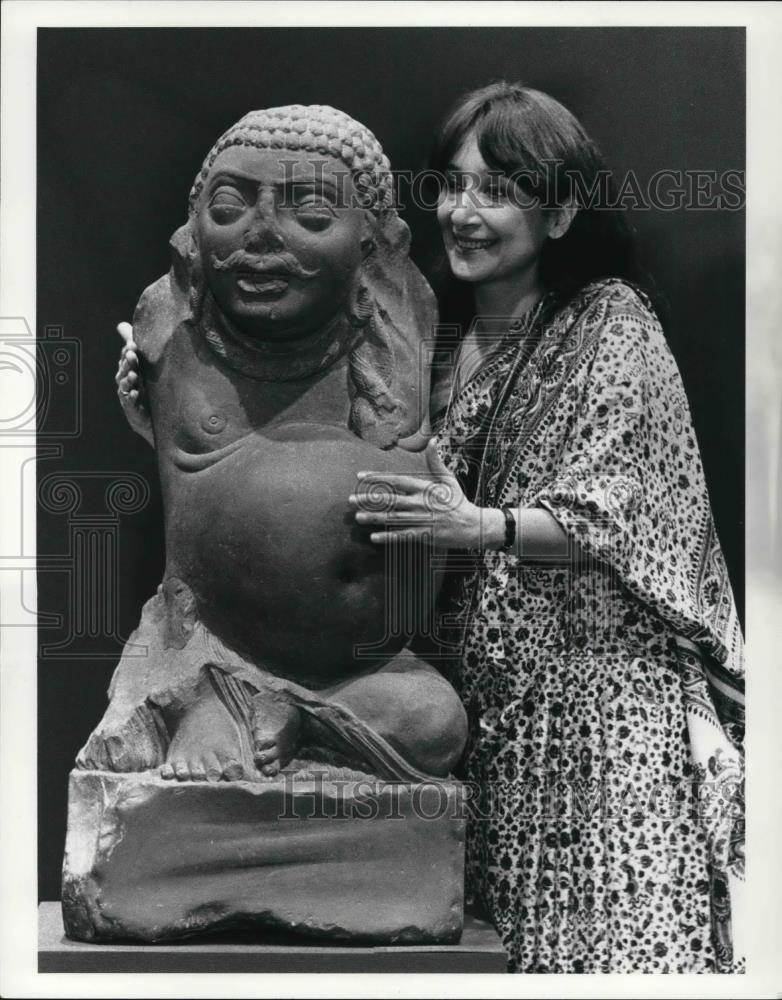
column 385, row 237
column 186, row 268
column 184, row 255
column 368, row 235
column 394, row 236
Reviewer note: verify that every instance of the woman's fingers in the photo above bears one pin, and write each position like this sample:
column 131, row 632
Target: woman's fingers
column 128, row 365
column 412, row 517
column 125, row 330
column 388, row 537
column 372, row 482
column 128, row 378
column 128, row 361
column 390, row 501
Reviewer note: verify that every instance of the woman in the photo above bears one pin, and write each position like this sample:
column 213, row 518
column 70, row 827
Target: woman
column 599, row 654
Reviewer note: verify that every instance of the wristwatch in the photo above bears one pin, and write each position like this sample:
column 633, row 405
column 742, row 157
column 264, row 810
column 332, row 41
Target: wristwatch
column 510, row 527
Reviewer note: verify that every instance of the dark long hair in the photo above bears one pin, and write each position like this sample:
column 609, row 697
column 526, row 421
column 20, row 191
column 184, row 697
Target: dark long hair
column 526, row 133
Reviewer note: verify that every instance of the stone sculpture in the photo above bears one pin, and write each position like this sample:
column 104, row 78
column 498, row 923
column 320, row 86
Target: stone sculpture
column 280, row 356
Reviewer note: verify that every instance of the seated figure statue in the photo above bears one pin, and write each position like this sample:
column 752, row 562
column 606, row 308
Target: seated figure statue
column 281, row 355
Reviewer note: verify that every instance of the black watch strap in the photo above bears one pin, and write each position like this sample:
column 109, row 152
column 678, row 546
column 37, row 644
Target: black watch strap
column 510, row 527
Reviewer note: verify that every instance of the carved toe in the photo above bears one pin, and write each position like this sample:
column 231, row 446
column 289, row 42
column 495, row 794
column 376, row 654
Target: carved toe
column 267, row 755
column 233, row 771
column 214, row 770
column 198, row 771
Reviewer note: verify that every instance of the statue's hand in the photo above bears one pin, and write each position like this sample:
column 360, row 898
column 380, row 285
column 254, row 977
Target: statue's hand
column 130, row 387
column 419, row 440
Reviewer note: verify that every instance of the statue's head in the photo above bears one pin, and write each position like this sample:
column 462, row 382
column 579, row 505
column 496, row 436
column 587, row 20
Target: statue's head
column 285, row 210
column 293, row 238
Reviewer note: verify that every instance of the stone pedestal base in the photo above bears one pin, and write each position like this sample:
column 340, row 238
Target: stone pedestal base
column 479, row 950
column 364, row 861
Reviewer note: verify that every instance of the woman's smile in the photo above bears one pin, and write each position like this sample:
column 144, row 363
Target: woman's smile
column 467, row 244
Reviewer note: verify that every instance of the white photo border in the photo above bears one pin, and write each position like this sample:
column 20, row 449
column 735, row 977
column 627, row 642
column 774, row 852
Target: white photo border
column 18, row 865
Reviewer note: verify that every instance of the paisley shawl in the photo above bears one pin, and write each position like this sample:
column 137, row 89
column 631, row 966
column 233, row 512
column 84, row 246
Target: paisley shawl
column 610, row 658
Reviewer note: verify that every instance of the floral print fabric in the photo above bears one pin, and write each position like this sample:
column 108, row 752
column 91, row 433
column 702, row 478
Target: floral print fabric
column 604, row 694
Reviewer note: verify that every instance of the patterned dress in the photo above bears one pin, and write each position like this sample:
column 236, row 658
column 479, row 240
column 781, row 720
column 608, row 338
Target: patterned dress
column 604, row 767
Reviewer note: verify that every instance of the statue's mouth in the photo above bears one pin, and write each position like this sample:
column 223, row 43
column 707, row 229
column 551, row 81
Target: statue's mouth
column 259, row 268
column 265, row 283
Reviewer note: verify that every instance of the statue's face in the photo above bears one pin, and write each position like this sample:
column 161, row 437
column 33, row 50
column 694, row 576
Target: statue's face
column 280, row 241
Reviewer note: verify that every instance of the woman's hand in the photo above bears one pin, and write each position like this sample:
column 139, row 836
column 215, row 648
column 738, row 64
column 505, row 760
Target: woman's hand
column 433, row 508
column 130, row 388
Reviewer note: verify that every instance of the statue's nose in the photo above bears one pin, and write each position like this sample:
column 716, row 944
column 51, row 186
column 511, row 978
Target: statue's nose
column 263, row 234
column 263, row 238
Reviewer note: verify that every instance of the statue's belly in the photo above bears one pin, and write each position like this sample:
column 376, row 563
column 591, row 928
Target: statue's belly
column 267, row 541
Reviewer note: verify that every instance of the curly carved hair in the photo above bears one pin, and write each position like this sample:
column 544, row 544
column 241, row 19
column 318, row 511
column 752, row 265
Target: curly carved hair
column 314, row 128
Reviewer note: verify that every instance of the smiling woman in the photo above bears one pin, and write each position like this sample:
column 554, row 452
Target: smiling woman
column 597, row 650
column 487, row 233
column 528, row 168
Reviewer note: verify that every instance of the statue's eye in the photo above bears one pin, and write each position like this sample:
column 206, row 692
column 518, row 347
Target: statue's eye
column 315, row 203
column 314, row 211
column 226, row 205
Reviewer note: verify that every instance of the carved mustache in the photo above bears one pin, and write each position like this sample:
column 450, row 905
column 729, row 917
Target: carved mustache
column 267, row 263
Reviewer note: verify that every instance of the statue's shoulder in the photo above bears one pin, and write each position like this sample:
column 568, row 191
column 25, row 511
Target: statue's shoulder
column 164, row 305
column 157, row 315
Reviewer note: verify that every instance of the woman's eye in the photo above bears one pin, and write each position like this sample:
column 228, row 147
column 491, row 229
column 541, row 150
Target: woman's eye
column 495, row 191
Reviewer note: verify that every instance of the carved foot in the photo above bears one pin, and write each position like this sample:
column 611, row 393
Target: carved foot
column 207, row 745
column 276, row 730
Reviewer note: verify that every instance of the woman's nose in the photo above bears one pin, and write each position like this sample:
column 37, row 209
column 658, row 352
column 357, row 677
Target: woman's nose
column 462, row 209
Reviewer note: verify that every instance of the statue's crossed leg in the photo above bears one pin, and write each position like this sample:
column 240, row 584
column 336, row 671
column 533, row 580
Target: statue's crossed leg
column 198, row 711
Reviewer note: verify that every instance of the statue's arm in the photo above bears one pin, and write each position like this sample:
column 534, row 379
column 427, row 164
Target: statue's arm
column 130, row 387
column 419, row 440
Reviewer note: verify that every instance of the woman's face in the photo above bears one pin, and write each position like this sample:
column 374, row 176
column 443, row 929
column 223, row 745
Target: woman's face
column 489, row 234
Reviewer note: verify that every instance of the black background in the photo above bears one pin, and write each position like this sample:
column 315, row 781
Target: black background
column 125, row 117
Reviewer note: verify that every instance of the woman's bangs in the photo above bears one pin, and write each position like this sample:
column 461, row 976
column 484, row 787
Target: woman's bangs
column 500, row 144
